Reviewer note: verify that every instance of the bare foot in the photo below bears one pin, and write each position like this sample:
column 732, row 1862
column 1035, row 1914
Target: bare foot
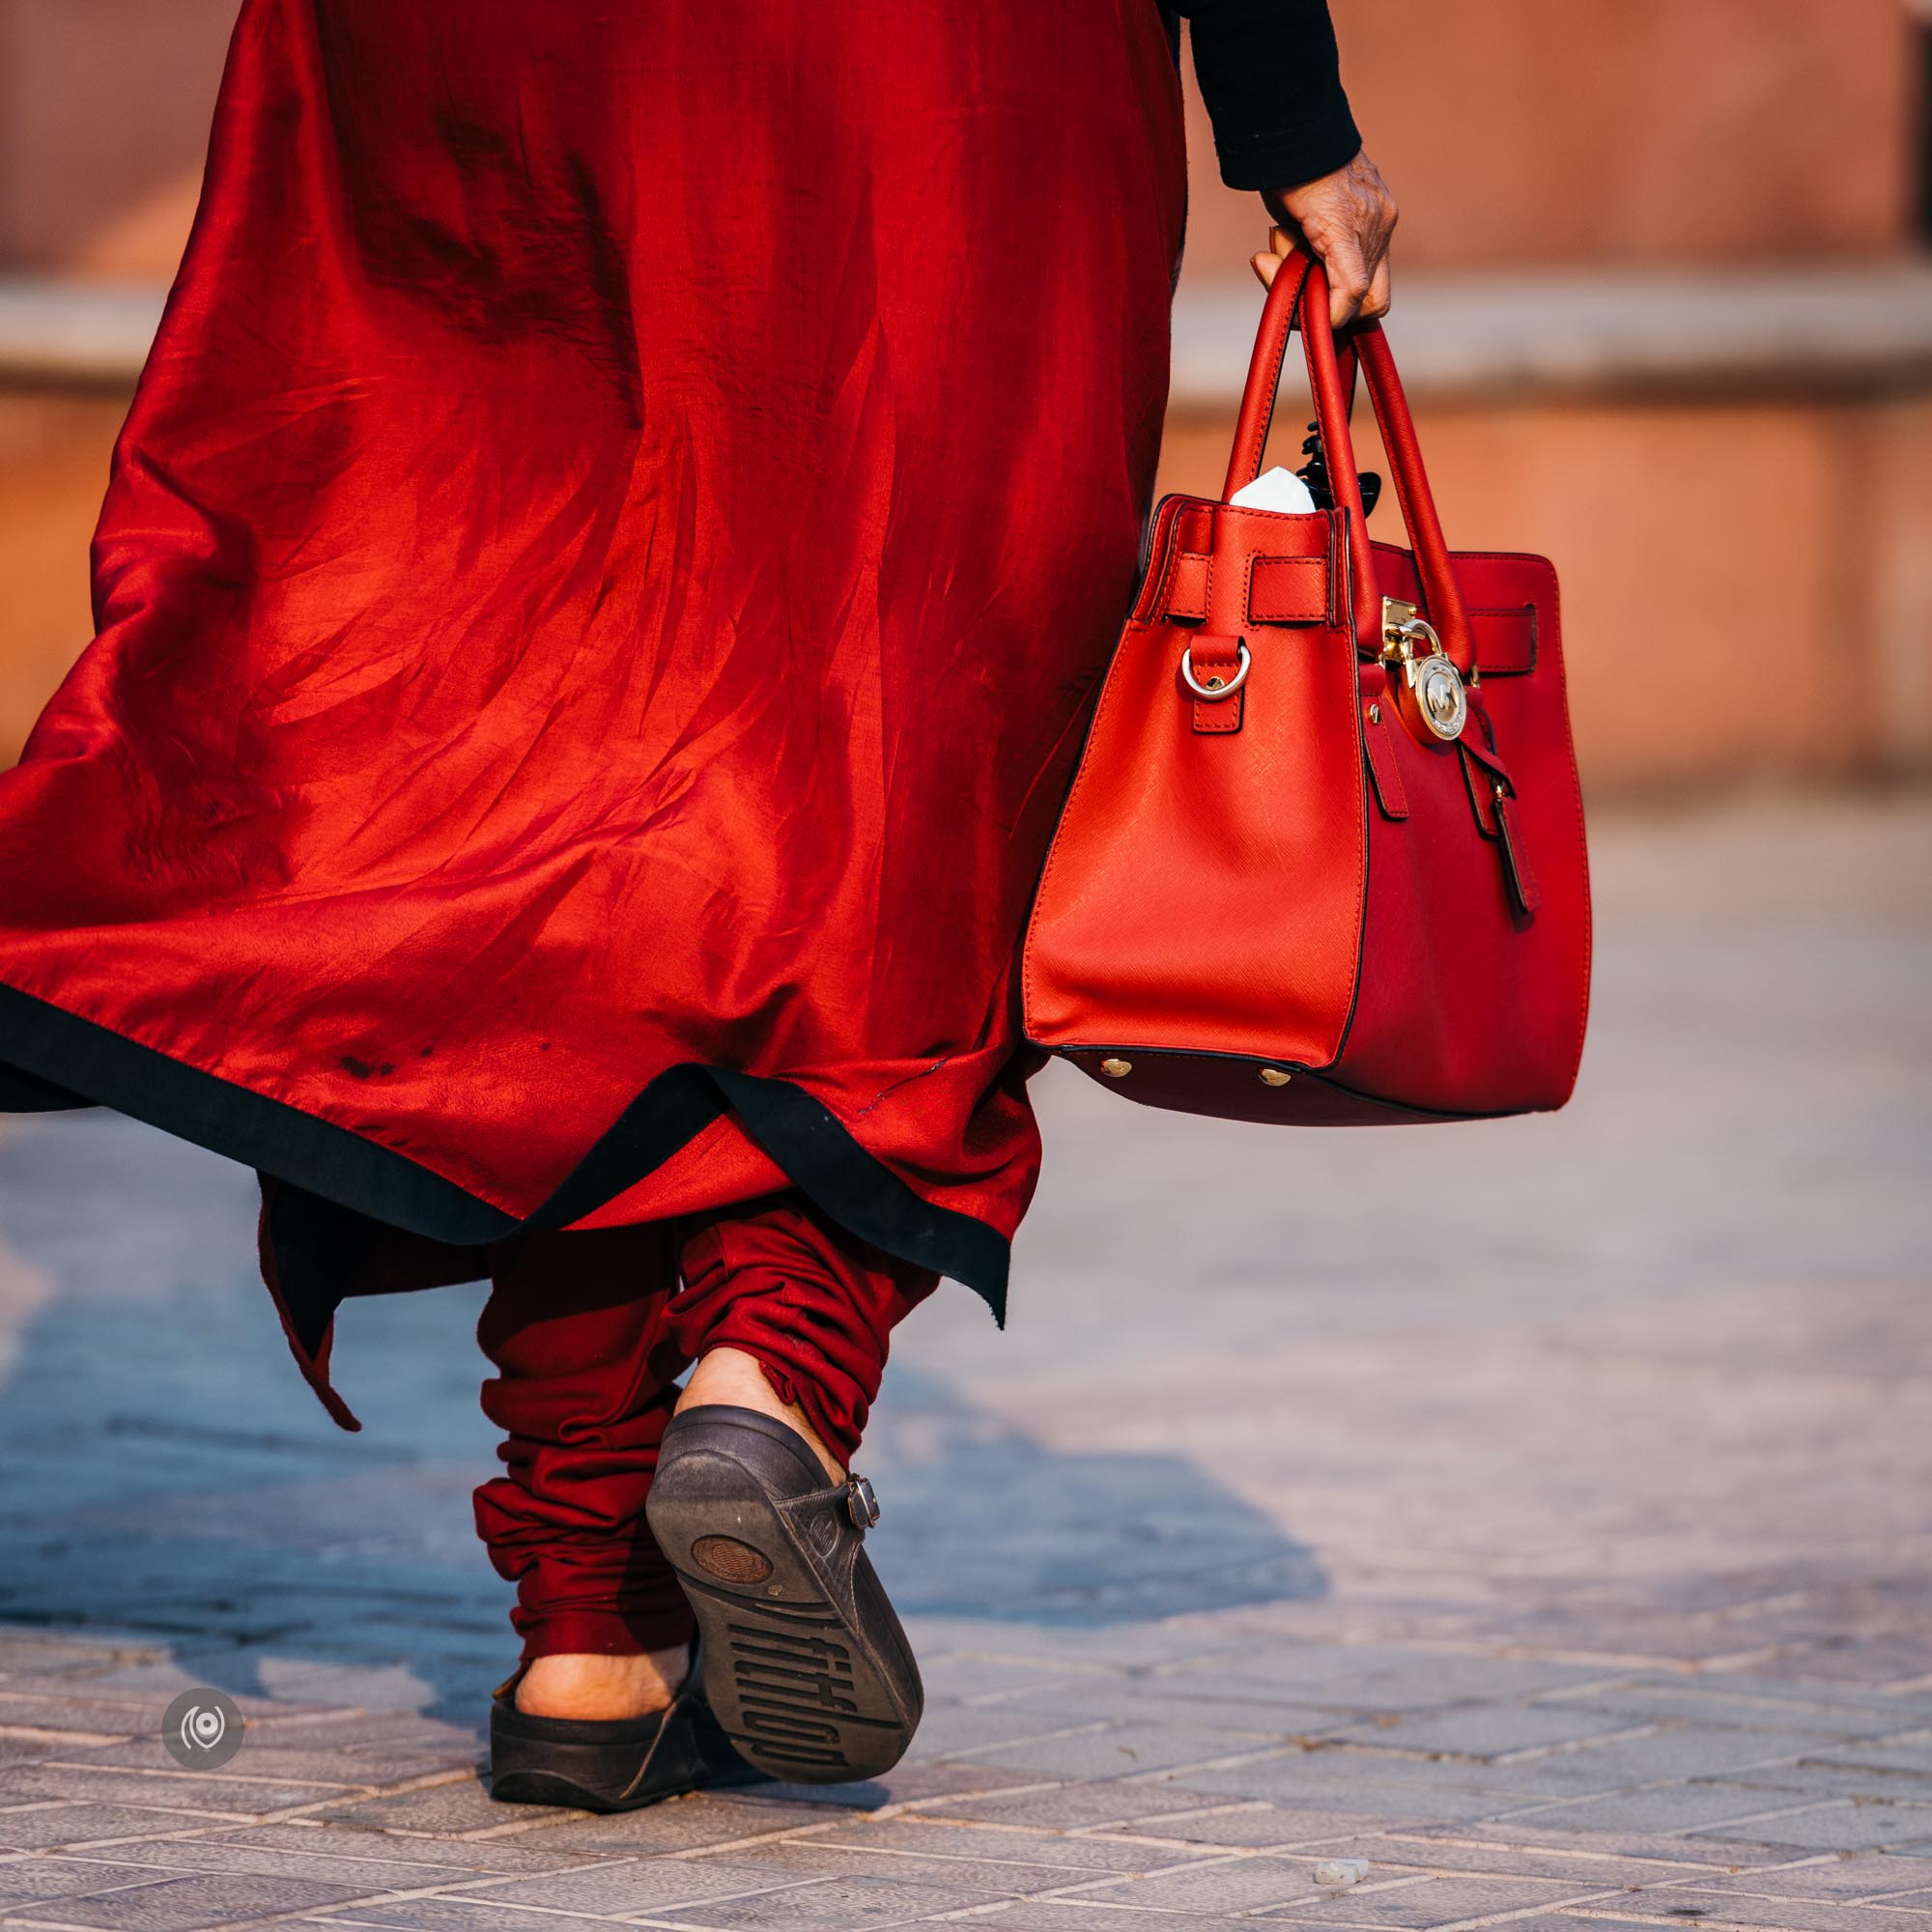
column 731, row 1376
column 601, row 1688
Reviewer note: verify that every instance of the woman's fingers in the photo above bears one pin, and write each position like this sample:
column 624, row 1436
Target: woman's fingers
column 1376, row 305
column 1349, row 279
column 1345, row 220
column 1349, row 297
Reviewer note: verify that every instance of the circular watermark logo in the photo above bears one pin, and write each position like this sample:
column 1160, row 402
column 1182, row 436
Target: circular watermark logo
column 202, row 1729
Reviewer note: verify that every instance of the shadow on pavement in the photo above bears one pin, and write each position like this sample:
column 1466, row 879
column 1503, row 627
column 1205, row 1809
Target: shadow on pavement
column 168, row 1475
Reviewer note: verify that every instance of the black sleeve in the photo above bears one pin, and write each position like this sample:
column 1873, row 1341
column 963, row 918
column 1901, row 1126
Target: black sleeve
column 1272, row 80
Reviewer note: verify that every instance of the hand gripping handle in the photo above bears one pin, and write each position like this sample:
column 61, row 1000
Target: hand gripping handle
column 1298, row 299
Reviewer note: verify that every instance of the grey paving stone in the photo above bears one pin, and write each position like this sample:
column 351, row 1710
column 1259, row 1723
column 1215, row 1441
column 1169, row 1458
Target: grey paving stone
column 1689, row 1751
column 1361, row 1678
column 1072, row 1915
column 24, row 1880
column 230, row 1790
column 1735, row 1811
column 162, row 1676
column 450, row 1914
column 1842, row 1879
column 357, row 1749
column 1338, row 1767
column 1120, row 1751
column 514, row 1852
column 1228, row 1886
column 950, row 1730
column 1544, row 1832
column 1786, row 1915
column 1413, row 1791
column 28, row 1654
column 1853, row 1826
column 1189, row 1703
column 1255, row 1826
column 453, row 1811
column 1487, row 1732
column 917, row 1836
column 700, row 1822
column 1080, row 1642
column 805, row 1859
column 1449, row 1901
column 907, row 1783
column 186, row 1904
column 1676, row 1751
column 367, row 1687
column 44, row 1827
column 830, row 1905
column 997, row 1675
column 1604, row 1918
column 1394, row 1853
column 1856, row 1875
column 1810, row 1776
column 1788, row 1680
column 345, row 1772
column 1076, row 1807
column 62, row 1714
column 1710, row 1702
column 639, row 1887
column 343, row 1857
column 1911, row 1754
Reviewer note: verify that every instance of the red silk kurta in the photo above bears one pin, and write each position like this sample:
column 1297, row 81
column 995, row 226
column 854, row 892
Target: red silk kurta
column 596, row 602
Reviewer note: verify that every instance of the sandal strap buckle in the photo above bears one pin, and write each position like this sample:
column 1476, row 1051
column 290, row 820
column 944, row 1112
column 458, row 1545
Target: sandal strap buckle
column 862, row 1505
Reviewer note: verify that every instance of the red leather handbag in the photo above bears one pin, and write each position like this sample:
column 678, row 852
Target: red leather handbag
column 1324, row 858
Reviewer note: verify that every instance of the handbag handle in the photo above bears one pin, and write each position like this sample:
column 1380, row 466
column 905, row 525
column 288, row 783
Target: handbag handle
column 1298, row 298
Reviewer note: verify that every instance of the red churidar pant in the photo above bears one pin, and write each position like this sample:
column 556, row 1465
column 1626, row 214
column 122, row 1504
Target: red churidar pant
column 588, row 1331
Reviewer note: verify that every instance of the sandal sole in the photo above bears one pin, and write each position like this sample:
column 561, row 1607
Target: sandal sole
column 799, row 1692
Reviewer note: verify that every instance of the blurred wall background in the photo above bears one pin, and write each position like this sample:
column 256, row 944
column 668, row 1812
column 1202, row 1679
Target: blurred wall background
column 1663, row 304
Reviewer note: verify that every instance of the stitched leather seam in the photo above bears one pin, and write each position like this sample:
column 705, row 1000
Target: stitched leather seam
column 1248, row 586
column 1545, row 570
column 1541, row 567
column 1251, row 461
column 1508, row 610
column 1171, row 551
column 1218, row 717
column 1548, row 570
column 1361, row 871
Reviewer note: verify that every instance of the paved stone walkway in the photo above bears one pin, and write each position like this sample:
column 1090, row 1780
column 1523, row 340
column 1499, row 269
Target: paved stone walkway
column 1539, row 1512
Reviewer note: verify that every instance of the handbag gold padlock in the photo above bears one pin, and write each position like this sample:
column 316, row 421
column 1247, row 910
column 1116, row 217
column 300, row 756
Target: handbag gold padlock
column 1429, row 693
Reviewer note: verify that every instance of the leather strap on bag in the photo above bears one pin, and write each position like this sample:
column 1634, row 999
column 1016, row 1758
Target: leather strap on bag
column 1300, row 300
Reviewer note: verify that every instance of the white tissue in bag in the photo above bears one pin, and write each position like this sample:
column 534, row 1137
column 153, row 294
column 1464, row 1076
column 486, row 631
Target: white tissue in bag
column 1275, row 489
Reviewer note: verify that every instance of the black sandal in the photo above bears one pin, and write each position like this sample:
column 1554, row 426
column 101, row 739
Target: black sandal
column 804, row 1663
column 615, row 1765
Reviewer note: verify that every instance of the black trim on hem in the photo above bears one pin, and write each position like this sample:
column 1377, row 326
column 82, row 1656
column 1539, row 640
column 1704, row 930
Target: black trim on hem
column 835, row 1173
column 50, row 1057
column 108, row 1069
column 21, row 1093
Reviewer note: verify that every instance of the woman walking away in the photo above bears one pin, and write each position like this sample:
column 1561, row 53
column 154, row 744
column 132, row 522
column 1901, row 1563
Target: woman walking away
column 596, row 600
